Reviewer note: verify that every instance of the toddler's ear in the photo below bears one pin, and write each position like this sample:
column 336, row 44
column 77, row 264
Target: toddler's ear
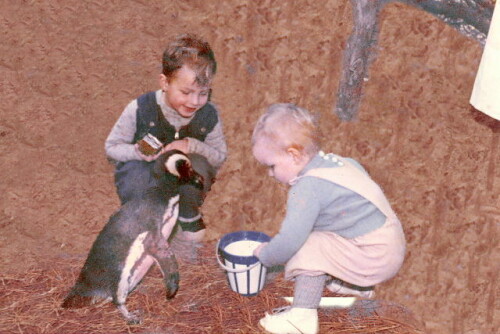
column 295, row 154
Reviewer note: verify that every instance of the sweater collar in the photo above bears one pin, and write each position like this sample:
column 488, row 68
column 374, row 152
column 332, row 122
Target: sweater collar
column 315, row 162
column 320, row 160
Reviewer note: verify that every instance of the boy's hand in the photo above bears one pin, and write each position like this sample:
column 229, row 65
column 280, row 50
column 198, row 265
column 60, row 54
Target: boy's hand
column 181, row 145
column 147, row 158
column 257, row 250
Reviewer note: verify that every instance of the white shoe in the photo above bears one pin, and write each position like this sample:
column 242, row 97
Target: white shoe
column 341, row 288
column 292, row 321
column 192, row 236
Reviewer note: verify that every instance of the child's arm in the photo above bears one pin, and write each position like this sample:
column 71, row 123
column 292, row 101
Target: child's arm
column 303, row 208
column 181, row 145
column 214, row 148
column 118, row 145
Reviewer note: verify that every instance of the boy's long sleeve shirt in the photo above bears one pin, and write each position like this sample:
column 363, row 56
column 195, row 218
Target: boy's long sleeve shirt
column 119, row 146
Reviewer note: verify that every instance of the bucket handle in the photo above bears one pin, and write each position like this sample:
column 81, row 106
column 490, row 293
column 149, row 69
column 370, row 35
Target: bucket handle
column 229, row 269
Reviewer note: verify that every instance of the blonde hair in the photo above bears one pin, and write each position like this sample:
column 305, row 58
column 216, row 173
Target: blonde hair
column 286, row 125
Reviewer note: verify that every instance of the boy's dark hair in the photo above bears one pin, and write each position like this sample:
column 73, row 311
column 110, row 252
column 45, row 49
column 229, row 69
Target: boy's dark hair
column 190, row 50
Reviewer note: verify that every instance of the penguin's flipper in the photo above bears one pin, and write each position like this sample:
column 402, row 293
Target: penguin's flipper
column 167, row 262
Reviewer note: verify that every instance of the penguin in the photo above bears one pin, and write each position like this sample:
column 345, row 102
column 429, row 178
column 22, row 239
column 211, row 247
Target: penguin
column 134, row 238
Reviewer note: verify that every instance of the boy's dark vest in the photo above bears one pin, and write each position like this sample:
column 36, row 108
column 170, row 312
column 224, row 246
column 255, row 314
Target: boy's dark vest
column 150, row 119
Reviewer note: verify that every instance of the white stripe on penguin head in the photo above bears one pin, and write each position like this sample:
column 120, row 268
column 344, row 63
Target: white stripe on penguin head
column 171, row 163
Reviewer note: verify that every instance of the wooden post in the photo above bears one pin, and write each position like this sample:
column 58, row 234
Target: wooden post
column 470, row 17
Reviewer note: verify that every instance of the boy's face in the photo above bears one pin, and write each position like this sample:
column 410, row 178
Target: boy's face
column 282, row 165
column 182, row 93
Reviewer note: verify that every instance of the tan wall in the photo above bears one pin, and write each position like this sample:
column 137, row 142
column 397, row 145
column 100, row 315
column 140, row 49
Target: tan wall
column 67, row 69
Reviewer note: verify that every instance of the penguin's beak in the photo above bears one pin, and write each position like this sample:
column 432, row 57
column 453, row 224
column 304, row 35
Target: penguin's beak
column 188, row 175
column 197, row 181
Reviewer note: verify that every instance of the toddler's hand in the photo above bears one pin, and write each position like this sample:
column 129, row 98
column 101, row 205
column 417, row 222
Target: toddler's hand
column 181, row 145
column 257, row 250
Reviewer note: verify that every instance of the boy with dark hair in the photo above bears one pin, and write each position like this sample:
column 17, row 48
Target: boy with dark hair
column 177, row 116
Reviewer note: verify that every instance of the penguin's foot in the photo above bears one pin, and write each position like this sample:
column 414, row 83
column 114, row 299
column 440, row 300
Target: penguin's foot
column 133, row 318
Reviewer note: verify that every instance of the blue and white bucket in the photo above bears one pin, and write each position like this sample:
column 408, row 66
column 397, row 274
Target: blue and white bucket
column 245, row 274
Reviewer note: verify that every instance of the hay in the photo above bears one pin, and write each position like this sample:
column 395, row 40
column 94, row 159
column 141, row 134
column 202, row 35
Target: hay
column 30, row 303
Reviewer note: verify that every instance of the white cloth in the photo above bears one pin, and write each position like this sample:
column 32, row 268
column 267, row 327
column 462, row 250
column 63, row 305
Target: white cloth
column 486, row 92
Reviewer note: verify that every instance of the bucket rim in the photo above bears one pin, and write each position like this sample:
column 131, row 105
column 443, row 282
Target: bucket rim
column 229, row 238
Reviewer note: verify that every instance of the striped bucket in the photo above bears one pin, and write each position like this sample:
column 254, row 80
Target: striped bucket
column 245, row 274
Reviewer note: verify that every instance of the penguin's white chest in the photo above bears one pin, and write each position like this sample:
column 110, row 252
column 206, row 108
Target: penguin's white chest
column 136, row 266
column 170, row 217
column 138, row 260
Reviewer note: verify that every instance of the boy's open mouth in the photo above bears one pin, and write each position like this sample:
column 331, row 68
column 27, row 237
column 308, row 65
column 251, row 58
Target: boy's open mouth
column 189, row 110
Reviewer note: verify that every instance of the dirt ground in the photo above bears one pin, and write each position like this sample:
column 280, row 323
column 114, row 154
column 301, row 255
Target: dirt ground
column 68, row 68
